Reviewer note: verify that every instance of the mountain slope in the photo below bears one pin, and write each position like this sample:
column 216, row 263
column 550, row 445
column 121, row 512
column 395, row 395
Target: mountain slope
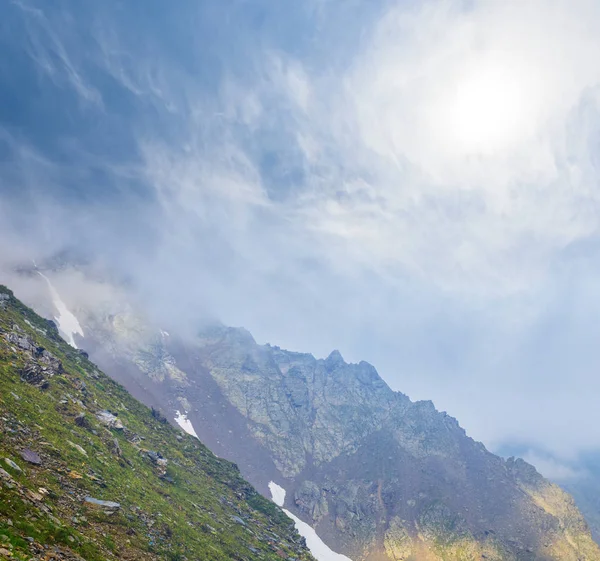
column 87, row 472
column 378, row 476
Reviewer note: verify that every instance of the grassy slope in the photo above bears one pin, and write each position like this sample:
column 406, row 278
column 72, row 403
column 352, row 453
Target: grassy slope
column 189, row 517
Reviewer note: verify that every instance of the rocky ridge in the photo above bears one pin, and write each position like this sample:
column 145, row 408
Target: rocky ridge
column 376, row 473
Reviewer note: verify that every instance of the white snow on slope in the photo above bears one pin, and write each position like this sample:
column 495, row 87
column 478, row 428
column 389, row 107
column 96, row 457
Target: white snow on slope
column 182, row 420
column 68, row 324
column 317, row 547
column 277, row 493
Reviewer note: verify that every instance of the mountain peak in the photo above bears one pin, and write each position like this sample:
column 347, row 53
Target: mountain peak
column 334, row 359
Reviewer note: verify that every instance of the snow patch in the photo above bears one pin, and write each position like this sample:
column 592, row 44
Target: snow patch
column 182, row 420
column 317, row 547
column 277, row 493
column 68, row 325
column 164, row 333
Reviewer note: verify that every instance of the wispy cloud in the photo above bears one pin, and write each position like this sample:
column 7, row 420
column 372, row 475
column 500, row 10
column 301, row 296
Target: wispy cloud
column 552, row 469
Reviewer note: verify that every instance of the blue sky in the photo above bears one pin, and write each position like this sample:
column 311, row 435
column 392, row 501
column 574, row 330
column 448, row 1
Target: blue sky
column 414, row 183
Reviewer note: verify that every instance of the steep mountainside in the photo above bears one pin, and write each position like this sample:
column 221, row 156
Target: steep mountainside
column 87, row 472
column 586, row 492
column 378, row 476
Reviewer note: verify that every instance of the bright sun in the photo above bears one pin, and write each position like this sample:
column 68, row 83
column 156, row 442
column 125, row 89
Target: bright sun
column 484, row 109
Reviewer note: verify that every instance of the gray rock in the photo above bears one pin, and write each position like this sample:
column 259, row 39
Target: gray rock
column 12, row 465
column 81, row 421
column 156, row 458
column 5, row 476
column 116, row 449
column 77, row 447
column 109, row 420
column 109, row 506
column 31, row 457
column 310, row 499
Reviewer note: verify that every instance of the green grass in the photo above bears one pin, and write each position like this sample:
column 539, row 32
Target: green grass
column 189, row 518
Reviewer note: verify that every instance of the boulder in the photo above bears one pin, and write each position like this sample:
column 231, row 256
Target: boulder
column 77, row 447
column 109, row 507
column 31, row 457
column 12, row 465
column 109, row 420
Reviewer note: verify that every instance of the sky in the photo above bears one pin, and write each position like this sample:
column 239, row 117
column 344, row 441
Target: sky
column 414, row 183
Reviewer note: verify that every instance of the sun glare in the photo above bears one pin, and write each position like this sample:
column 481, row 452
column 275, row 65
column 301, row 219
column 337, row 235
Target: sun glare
column 484, row 109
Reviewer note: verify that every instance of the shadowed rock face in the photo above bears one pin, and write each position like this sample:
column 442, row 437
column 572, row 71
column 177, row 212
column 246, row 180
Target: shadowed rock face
column 378, row 476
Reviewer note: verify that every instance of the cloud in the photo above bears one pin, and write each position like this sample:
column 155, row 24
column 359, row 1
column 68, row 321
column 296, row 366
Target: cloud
column 48, row 50
column 552, row 469
column 413, row 183
column 415, row 180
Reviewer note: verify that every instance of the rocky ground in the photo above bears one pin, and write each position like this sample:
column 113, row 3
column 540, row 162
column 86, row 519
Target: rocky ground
column 87, row 472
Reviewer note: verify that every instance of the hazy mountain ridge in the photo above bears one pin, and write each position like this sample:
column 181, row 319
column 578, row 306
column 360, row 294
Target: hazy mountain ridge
column 378, row 476
column 374, row 471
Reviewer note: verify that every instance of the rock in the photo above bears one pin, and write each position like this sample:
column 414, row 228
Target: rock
column 334, row 360
column 109, row 420
column 116, row 449
column 4, row 551
column 311, row 499
column 166, row 478
column 33, row 374
column 81, row 386
column 4, row 475
column 107, row 506
column 81, row 421
column 77, row 447
column 156, row 458
column 12, row 465
column 31, row 457
column 32, row 496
